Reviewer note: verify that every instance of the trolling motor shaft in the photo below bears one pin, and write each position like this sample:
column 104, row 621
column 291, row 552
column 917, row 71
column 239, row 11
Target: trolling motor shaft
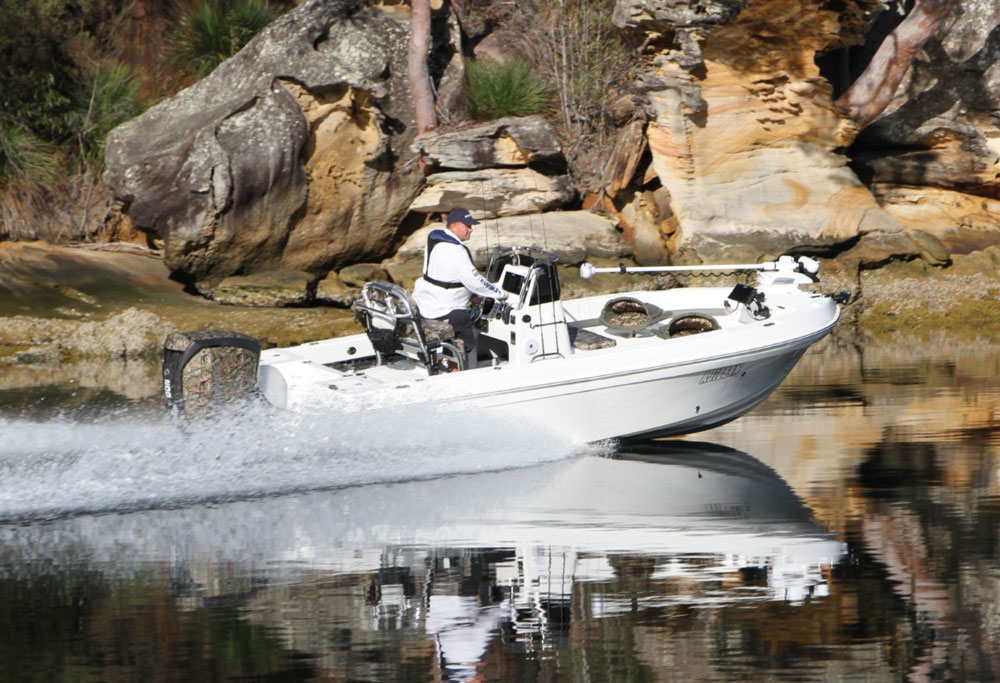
column 785, row 264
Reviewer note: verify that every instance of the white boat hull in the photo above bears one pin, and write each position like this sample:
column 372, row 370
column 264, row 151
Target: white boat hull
column 643, row 387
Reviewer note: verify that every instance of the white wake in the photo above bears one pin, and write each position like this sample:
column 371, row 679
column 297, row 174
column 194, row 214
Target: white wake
column 129, row 461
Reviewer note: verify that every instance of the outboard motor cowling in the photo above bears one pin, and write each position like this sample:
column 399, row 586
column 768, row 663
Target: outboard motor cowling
column 203, row 370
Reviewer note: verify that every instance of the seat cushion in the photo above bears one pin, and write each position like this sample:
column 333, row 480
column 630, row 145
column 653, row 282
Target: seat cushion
column 585, row 340
column 437, row 330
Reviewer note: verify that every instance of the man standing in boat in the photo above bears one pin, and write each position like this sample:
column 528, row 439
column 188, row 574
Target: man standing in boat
column 450, row 279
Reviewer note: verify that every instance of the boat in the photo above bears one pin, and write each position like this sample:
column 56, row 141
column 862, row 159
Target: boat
column 615, row 366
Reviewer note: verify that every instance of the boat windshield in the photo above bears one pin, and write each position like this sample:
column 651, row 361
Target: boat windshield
column 535, row 265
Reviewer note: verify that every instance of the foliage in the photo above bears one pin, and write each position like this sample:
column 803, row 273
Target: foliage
column 26, row 156
column 512, row 88
column 214, row 30
column 109, row 95
column 60, row 89
column 36, row 73
column 590, row 59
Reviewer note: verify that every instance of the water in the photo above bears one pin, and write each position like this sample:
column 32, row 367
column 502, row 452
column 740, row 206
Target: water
column 846, row 529
column 123, row 462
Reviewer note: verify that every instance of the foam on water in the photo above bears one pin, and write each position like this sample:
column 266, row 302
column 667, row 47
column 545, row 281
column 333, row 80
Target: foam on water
column 130, row 461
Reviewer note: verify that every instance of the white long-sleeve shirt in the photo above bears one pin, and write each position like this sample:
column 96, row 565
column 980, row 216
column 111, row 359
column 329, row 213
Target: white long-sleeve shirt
column 449, row 261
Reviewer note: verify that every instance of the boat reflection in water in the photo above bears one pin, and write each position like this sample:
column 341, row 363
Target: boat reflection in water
column 451, row 566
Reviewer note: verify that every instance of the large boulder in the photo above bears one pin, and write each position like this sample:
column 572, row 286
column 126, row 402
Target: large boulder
column 512, row 141
column 292, row 154
column 743, row 132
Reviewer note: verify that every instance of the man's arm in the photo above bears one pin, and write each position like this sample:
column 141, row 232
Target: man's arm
column 470, row 276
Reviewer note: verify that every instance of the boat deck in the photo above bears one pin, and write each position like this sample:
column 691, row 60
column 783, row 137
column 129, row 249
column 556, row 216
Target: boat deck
column 350, row 361
column 591, row 337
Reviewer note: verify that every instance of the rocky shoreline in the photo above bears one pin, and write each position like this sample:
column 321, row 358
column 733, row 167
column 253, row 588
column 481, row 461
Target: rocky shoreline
column 299, row 157
column 722, row 147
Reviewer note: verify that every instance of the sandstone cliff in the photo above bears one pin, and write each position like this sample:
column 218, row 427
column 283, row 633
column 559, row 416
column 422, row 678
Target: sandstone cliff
column 296, row 154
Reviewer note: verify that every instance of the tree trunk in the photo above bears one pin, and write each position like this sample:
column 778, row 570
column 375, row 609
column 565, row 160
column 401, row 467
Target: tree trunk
column 873, row 91
column 420, row 80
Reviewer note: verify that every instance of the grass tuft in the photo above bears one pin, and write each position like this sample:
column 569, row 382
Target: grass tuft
column 26, row 157
column 109, row 95
column 512, row 88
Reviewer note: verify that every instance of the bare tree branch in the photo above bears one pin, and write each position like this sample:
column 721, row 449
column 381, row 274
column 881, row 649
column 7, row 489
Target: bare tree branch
column 873, row 91
column 420, row 80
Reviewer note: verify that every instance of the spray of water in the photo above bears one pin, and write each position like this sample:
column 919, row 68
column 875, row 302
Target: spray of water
column 129, row 462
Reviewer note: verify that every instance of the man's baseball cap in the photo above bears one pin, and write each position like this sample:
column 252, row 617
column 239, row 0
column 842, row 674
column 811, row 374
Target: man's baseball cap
column 461, row 216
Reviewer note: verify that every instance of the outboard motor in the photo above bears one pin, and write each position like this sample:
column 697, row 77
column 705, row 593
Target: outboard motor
column 203, row 370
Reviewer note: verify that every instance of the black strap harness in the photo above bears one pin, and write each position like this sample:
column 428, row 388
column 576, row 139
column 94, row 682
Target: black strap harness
column 432, row 242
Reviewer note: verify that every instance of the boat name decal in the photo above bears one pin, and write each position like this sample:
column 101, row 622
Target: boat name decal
column 721, row 373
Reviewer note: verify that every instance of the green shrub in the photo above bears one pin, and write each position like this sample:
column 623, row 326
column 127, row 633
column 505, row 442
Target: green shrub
column 36, row 73
column 109, row 95
column 25, row 157
column 59, row 96
column 215, row 30
column 510, row 89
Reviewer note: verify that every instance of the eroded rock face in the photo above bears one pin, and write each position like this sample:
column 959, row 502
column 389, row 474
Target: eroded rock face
column 743, row 131
column 682, row 15
column 513, row 141
column 501, row 168
column 964, row 222
column 283, row 156
column 932, row 156
column 494, row 192
column 649, row 225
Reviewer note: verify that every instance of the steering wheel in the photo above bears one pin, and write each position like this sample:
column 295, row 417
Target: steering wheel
column 478, row 307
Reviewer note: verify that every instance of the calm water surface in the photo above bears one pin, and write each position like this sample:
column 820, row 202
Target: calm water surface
column 846, row 529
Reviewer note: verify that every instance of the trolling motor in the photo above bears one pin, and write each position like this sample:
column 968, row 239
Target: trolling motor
column 786, row 270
